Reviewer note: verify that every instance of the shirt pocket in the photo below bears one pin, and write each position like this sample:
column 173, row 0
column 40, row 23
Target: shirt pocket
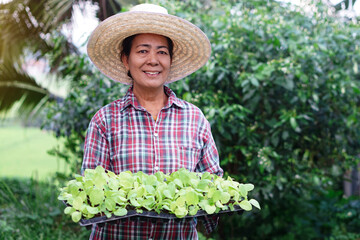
column 188, row 157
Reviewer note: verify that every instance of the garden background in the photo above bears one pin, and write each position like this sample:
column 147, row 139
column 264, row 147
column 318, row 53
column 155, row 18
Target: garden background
column 281, row 91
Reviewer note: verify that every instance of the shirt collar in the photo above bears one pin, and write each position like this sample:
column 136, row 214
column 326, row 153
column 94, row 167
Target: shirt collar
column 130, row 99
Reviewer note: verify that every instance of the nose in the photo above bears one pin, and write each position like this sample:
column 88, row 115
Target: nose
column 153, row 58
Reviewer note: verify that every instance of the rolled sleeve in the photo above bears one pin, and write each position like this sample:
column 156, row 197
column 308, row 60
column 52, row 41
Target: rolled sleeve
column 209, row 161
column 96, row 147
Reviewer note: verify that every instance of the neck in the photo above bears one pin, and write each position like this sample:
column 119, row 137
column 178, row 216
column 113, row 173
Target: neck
column 152, row 100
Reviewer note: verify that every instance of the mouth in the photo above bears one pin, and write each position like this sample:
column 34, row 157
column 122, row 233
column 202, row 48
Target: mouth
column 152, row 73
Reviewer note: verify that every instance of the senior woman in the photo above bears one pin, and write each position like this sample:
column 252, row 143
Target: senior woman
column 149, row 129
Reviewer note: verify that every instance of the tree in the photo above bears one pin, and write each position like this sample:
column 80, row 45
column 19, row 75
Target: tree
column 27, row 29
column 282, row 94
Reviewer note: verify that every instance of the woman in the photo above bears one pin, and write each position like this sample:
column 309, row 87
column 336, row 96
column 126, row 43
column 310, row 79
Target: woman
column 149, row 129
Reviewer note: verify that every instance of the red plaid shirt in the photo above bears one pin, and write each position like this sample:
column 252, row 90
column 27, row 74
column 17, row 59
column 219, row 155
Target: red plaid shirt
column 123, row 136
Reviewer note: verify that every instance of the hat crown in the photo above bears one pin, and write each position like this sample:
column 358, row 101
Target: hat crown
column 191, row 47
column 147, row 7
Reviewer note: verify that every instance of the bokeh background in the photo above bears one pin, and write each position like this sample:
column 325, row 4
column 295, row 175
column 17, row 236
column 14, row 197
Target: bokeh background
column 281, row 91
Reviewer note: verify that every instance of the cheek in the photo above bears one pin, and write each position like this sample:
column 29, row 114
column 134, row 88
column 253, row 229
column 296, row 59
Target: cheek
column 167, row 63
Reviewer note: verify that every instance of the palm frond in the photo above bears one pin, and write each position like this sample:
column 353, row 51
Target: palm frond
column 15, row 85
column 25, row 28
column 345, row 4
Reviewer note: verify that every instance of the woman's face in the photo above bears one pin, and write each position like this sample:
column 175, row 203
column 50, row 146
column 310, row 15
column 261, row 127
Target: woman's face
column 149, row 61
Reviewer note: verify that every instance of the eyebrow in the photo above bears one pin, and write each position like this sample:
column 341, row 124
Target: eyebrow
column 149, row 46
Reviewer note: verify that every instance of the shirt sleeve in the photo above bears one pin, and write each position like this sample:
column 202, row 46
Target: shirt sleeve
column 210, row 223
column 209, row 161
column 96, row 147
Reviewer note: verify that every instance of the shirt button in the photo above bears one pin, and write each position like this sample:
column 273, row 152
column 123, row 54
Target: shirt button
column 156, row 134
column 156, row 168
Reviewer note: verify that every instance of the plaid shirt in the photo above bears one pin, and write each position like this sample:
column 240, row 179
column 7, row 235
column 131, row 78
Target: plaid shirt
column 123, row 136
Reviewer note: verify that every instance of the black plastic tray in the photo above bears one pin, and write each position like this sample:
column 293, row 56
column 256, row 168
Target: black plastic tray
column 133, row 215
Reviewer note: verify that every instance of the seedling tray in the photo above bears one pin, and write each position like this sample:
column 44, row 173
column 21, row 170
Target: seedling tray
column 132, row 215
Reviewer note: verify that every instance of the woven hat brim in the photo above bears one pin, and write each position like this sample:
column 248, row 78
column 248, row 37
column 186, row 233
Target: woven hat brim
column 191, row 46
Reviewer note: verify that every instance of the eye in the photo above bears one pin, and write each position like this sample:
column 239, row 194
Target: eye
column 142, row 51
column 163, row 52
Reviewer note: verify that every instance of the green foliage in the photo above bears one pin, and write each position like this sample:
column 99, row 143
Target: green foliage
column 181, row 193
column 30, row 210
column 282, row 94
column 281, row 91
column 25, row 29
column 69, row 118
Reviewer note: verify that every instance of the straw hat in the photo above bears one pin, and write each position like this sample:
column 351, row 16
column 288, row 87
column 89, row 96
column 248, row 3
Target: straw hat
column 191, row 46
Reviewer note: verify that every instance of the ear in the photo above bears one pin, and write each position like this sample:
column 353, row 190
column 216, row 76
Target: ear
column 124, row 60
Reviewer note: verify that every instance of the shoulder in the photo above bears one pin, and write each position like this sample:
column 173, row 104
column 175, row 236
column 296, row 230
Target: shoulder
column 190, row 106
column 191, row 112
column 109, row 111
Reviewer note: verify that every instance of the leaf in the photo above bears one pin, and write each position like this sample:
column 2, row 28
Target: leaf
column 193, row 210
column 99, row 180
column 219, row 205
column 150, row 189
column 167, row 194
column 180, row 201
column 126, row 180
column 217, row 195
column 160, row 176
column 206, row 175
column 92, row 210
column 191, row 198
column 245, row 205
column 107, row 214
column 294, row 124
column 210, row 209
column 83, row 195
column 255, row 203
column 69, row 210
column 171, row 189
column 178, row 183
column 184, row 177
column 113, row 184
column 76, row 216
column 134, row 202
column 203, row 185
column 141, row 191
column 110, row 204
column 88, row 184
column 225, row 198
column 73, row 188
column 242, row 190
column 254, row 81
column 120, row 212
column 150, row 180
column 181, row 212
column 77, row 203
column 96, row 196
column 249, row 187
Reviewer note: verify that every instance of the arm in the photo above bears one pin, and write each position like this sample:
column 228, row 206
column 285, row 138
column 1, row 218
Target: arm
column 96, row 147
column 209, row 162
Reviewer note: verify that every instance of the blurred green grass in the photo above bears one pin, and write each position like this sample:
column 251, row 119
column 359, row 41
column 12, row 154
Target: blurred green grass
column 23, row 152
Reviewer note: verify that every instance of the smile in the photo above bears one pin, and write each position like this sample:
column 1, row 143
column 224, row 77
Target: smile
column 152, row 73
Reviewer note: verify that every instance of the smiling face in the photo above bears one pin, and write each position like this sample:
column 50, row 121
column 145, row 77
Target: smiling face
column 149, row 61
